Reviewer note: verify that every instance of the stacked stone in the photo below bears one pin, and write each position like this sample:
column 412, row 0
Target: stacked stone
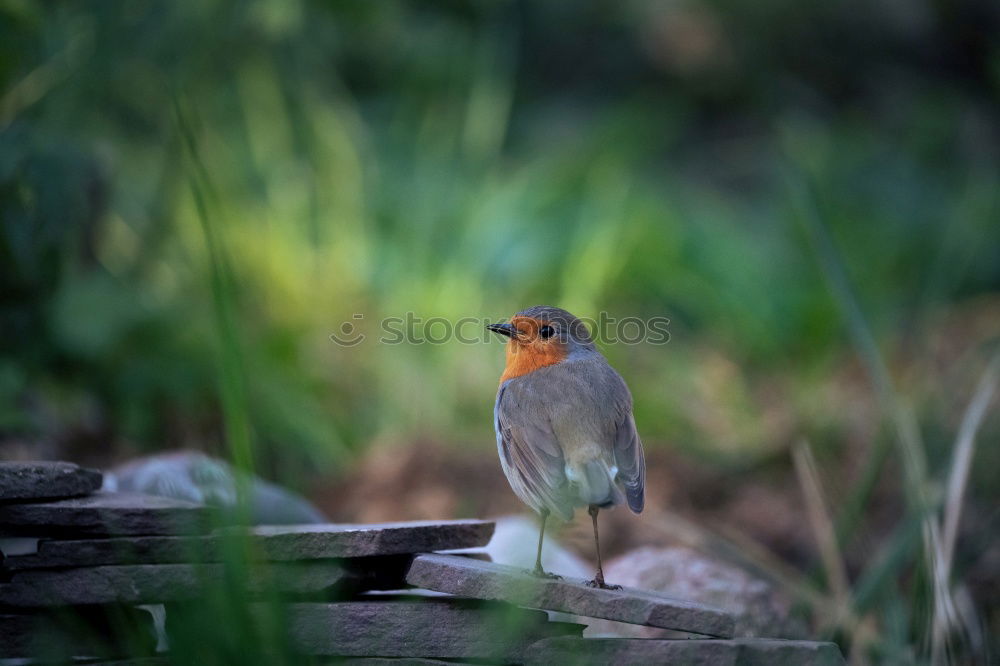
column 347, row 591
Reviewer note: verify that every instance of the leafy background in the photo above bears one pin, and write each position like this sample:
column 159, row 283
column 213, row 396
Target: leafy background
column 195, row 196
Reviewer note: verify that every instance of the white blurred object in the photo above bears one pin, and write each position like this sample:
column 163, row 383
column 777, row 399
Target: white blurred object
column 515, row 542
column 196, row 477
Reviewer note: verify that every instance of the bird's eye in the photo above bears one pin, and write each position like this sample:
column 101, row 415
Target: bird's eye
column 546, row 332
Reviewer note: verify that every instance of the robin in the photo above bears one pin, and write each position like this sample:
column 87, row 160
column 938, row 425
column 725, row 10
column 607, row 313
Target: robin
column 564, row 425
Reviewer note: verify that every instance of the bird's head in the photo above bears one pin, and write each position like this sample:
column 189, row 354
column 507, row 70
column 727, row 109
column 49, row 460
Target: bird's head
column 540, row 336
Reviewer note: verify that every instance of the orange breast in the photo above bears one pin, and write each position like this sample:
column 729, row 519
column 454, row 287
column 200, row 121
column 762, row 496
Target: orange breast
column 525, row 358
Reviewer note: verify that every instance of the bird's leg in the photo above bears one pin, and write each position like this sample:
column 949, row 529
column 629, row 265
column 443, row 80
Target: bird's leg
column 599, row 578
column 539, row 571
column 541, row 535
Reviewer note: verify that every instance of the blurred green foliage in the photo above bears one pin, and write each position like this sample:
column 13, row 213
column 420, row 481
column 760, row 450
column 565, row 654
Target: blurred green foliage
column 468, row 160
column 194, row 196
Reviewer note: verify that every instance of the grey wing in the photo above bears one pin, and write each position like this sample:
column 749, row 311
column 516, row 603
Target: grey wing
column 531, row 456
column 630, row 461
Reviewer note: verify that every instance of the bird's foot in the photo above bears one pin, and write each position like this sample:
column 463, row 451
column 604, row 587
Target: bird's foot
column 542, row 573
column 599, row 583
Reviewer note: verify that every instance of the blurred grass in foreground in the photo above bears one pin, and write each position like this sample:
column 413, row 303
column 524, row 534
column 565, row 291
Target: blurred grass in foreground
column 172, row 278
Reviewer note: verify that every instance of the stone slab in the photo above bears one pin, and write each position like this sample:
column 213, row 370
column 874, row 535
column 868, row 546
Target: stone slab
column 95, row 631
column 139, row 661
column 20, row 481
column 104, row 514
column 359, row 540
column 397, row 661
column 159, row 583
column 333, row 661
column 272, row 543
column 337, row 661
column 486, row 580
column 437, row 628
column 739, row 652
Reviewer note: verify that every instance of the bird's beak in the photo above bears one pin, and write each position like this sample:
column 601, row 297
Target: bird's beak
column 503, row 329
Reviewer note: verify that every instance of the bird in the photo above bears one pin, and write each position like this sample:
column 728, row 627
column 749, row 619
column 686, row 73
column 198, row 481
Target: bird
column 565, row 431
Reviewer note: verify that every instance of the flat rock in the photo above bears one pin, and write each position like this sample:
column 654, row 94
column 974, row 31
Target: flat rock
column 137, row 661
column 487, row 580
column 739, row 652
column 20, row 481
column 104, row 514
column 158, row 583
column 293, row 542
column 339, row 661
column 437, row 628
column 354, row 661
column 58, row 635
column 273, row 543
